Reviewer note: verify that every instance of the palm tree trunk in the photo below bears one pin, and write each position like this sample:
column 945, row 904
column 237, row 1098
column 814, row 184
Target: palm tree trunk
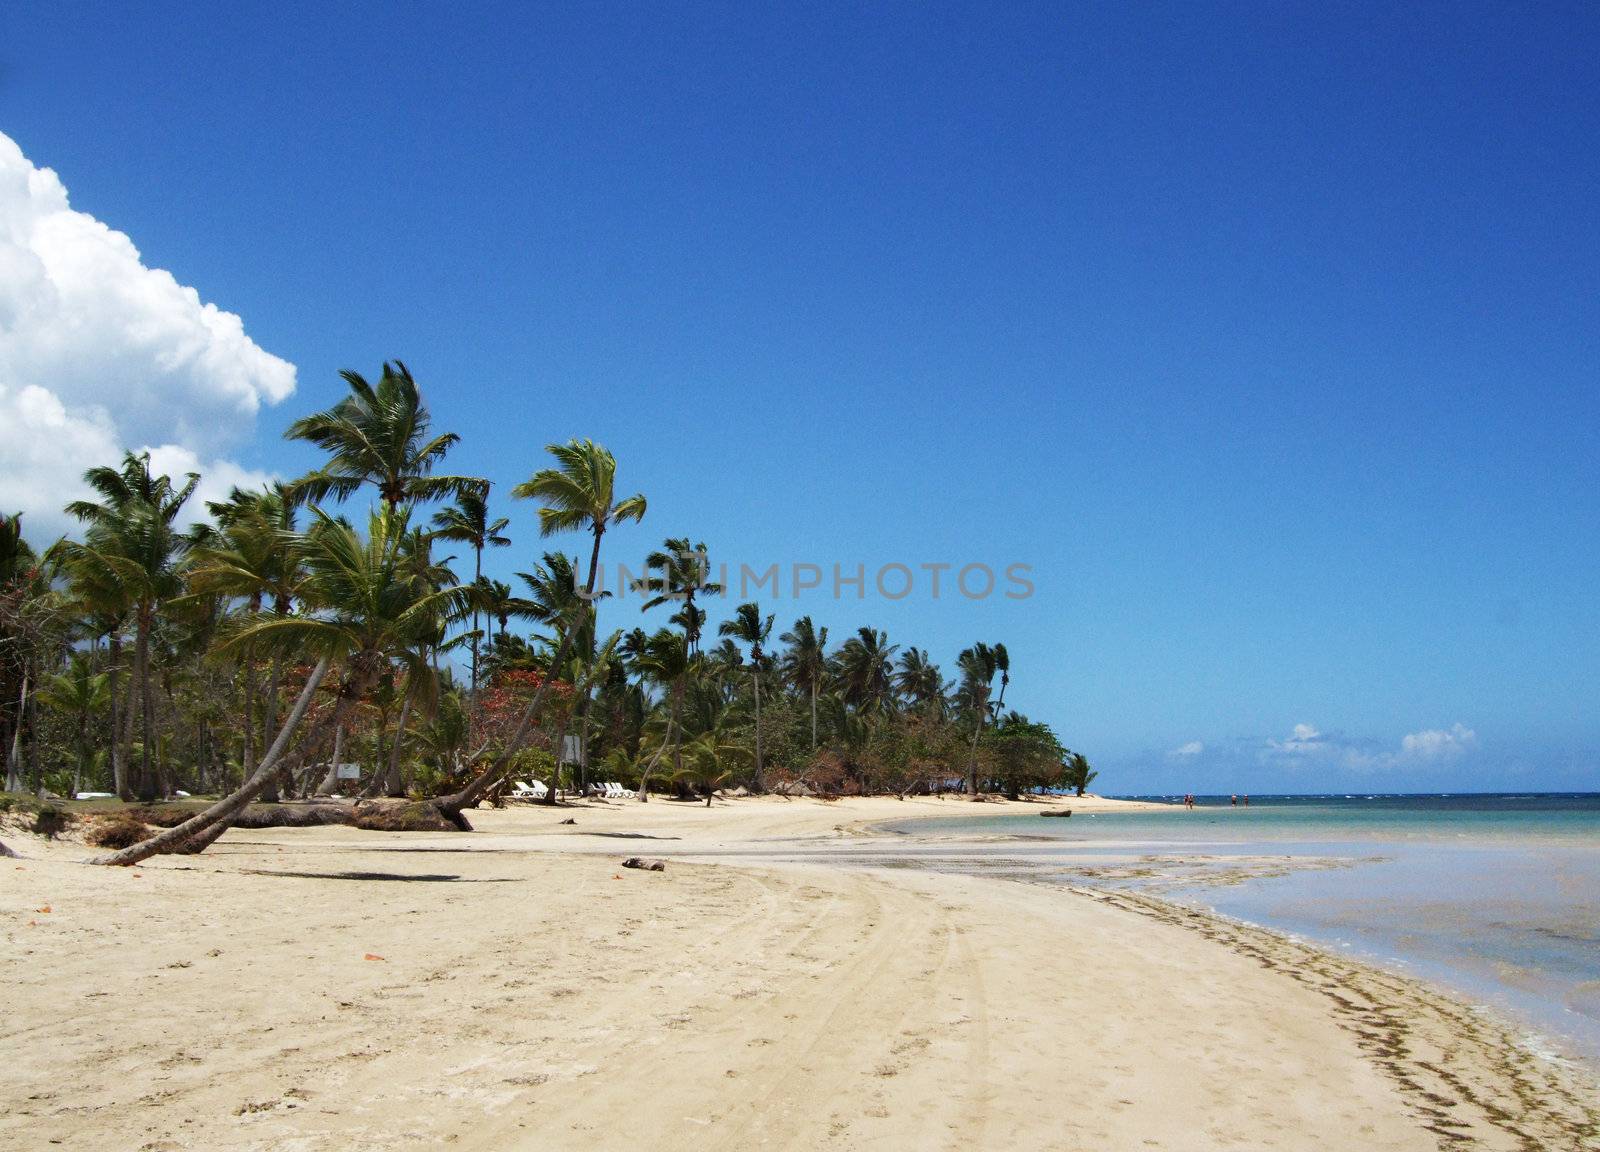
column 216, row 819
column 477, row 579
column 119, row 771
column 451, row 806
column 33, row 744
column 813, row 713
column 14, row 754
column 331, row 781
column 269, row 717
column 83, row 752
column 146, row 790
column 972, row 757
column 555, row 773
column 249, row 759
column 395, row 785
column 644, row 776
column 758, row 782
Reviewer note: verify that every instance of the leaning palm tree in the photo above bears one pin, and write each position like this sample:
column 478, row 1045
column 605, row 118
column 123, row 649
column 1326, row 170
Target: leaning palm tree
column 805, row 664
column 366, row 612
column 677, row 572
column 578, row 494
column 467, row 522
column 749, row 627
column 130, row 555
column 1076, row 773
column 378, row 435
column 979, row 666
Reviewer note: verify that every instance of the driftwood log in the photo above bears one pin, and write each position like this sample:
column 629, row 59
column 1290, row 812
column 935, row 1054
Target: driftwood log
column 1057, row 812
column 647, row 865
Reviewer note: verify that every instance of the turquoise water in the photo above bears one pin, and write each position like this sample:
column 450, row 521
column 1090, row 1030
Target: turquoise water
column 1495, row 896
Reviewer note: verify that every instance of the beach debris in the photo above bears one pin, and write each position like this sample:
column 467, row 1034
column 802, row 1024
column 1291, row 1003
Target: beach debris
column 646, row 865
column 372, row 956
column 570, row 820
column 1057, row 812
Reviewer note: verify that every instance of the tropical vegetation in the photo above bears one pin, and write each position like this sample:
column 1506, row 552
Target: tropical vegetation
column 298, row 640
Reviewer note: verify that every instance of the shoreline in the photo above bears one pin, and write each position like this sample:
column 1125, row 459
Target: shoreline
column 514, row 988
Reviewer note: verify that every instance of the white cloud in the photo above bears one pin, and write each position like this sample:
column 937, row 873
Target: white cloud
column 99, row 353
column 1303, row 739
column 1308, row 746
column 1186, row 751
column 1439, row 744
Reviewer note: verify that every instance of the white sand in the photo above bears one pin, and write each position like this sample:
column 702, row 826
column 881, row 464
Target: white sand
column 533, row 994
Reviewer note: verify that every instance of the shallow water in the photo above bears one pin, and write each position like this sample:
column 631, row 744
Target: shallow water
column 1497, row 897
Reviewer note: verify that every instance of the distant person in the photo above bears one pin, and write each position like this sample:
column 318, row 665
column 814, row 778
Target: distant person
column 1247, row 799
column 1233, row 800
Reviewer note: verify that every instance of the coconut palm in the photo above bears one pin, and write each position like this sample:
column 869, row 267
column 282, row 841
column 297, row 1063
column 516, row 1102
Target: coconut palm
column 248, row 556
column 130, row 558
column 678, row 573
column 78, row 693
column 979, row 665
column 467, row 522
column 920, row 683
column 748, row 626
column 378, row 435
column 865, row 669
column 667, row 663
column 1077, row 774
column 366, row 611
column 578, row 494
column 805, row 664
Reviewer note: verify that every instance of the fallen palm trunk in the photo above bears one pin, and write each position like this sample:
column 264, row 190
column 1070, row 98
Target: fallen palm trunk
column 204, row 828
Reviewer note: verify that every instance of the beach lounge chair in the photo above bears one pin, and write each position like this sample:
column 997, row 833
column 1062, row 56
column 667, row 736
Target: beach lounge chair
column 523, row 790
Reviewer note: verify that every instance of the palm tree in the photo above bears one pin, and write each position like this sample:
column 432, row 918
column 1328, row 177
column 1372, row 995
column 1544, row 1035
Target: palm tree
column 667, row 663
column 866, row 671
column 499, row 605
column 248, row 555
column 130, row 554
column 79, row 692
column 366, row 612
column 680, row 573
column 920, row 683
column 579, row 493
column 555, row 601
column 748, row 627
column 467, row 522
column 979, row 666
column 805, row 664
column 1077, row 773
column 378, row 435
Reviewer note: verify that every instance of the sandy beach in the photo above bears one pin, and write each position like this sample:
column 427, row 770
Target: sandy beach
column 326, row 988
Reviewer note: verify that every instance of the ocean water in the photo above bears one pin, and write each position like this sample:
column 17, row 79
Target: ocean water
column 1496, row 897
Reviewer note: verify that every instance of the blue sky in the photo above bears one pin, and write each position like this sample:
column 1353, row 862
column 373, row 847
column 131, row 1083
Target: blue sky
column 1266, row 336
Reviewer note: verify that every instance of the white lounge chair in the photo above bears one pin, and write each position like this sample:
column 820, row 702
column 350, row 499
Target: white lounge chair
column 523, row 790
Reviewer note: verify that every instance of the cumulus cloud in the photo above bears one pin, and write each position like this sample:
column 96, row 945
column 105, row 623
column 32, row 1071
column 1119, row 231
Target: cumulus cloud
column 1303, row 739
column 1307, row 745
column 99, row 353
column 1439, row 744
column 1187, row 751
